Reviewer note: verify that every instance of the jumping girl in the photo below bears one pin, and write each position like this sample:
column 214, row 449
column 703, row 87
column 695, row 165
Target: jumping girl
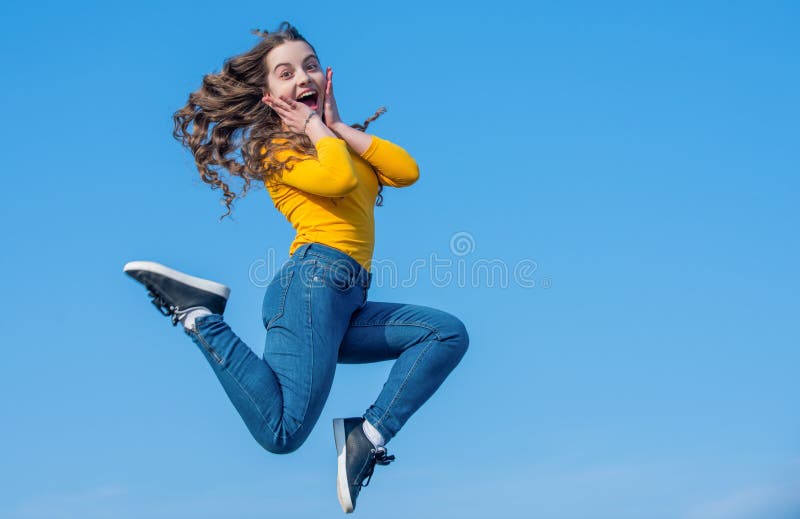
column 270, row 116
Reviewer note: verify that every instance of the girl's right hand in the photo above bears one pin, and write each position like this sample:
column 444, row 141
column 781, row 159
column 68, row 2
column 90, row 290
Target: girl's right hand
column 296, row 116
column 331, row 111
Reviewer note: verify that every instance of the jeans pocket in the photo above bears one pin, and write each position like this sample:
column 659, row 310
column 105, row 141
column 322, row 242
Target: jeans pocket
column 339, row 276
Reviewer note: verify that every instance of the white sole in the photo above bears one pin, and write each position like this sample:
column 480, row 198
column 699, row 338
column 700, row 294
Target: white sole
column 342, row 489
column 199, row 283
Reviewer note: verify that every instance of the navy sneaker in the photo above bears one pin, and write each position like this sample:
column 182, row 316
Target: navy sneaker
column 174, row 293
column 357, row 457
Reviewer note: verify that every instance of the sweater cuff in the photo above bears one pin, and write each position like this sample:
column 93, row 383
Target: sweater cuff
column 370, row 151
column 327, row 141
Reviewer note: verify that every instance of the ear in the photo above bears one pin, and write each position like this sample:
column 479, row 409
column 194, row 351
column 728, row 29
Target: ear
column 264, row 94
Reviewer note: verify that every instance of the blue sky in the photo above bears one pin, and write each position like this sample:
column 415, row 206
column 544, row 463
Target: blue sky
column 644, row 155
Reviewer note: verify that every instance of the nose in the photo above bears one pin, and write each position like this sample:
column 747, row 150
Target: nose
column 302, row 77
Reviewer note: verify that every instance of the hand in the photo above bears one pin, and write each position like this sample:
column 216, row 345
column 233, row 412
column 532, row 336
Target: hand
column 330, row 109
column 293, row 114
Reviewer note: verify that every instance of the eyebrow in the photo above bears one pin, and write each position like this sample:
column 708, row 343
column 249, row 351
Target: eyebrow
column 289, row 64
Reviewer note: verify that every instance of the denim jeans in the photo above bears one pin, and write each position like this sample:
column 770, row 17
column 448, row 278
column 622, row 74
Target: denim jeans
column 316, row 315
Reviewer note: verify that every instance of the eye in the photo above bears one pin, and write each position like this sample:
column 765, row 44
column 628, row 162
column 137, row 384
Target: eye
column 285, row 74
column 312, row 66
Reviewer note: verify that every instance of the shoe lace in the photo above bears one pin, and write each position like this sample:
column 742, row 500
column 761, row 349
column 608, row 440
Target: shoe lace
column 377, row 457
column 163, row 307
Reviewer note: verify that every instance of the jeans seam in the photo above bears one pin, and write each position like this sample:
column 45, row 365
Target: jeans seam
column 431, row 329
column 208, row 348
column 264, row 420
column 434, row 331
column 333, row 258
column 405, row 381
column 311, row 368
column 282, row 306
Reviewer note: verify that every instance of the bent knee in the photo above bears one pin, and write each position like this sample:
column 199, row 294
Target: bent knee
column 281, row 448
column 281, row 443
column 454, row 332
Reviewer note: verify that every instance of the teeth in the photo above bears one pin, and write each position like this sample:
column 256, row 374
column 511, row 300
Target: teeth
column 307, row 94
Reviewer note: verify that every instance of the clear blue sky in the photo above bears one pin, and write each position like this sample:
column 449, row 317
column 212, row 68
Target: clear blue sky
column 644, row 155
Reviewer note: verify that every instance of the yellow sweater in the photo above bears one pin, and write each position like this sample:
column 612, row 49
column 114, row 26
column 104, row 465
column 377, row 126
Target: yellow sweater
column 309, row 194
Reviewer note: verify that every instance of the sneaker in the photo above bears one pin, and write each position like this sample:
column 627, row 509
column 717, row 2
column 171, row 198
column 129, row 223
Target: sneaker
column 357, row 457
column 175, row 293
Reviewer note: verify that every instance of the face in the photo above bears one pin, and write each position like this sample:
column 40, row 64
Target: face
column 293, row 70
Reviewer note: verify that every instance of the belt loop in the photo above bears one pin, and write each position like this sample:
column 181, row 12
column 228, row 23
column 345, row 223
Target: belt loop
column 300, row 252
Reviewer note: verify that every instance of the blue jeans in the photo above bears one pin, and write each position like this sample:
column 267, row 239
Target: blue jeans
column 316, row 315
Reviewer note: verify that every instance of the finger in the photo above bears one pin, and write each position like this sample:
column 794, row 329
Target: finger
column 278, row 102
column 280, row 110
column 283, row 111
column 291, row 103
column 272, row 102
column 329, row 83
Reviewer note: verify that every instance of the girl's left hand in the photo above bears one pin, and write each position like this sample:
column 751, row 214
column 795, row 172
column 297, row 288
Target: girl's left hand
column 294, row 115
column 331, row 111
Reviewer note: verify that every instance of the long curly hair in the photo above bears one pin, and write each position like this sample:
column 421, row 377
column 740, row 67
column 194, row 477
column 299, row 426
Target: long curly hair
column 227, row 126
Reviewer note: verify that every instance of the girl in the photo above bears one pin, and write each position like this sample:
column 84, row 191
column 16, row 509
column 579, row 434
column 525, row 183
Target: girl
column 274, row 107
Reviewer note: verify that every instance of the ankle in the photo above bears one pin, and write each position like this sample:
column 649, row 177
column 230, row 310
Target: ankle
column 190, row 315
column 373, row 434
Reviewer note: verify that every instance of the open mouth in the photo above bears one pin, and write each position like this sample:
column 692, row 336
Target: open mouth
column 309, row 99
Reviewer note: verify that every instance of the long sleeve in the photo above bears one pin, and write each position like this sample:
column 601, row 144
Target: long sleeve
column 306, row 194
column 394, row 165
column 331, row 174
